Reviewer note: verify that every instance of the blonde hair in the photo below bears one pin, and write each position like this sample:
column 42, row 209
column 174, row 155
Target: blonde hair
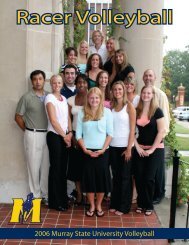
column 125, row 60
column 114, row 102
column 116, row 43
column 55, row 77
column 88, row 115
column 78, row 51
column 153, row 104
column 101, row 34
column 132, row 81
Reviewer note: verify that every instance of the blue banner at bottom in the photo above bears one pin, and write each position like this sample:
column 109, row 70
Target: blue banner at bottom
column 94, row 233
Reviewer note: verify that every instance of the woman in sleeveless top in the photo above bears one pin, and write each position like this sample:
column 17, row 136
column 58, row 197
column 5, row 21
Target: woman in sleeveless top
column 58, row 140
column 124, row 118
column 94, row 66
column 83, row 53
column 130, row 84
column 149, row 148
column 75, row 167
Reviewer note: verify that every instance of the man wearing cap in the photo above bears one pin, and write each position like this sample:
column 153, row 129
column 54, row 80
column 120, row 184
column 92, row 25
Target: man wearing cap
column 149, row 78
column 31, row 118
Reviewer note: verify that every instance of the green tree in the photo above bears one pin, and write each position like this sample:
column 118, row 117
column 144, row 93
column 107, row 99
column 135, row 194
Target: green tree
column 79, row 30
column 176, row 70
column 67, row 40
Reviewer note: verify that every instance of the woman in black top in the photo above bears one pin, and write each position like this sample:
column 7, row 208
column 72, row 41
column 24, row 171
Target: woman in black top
column 111, row 45
column 121, row 68
column 149, row 148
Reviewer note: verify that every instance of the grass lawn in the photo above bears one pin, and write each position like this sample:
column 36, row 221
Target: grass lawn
column 186, row 159
column 183, row 144
column 181, row 130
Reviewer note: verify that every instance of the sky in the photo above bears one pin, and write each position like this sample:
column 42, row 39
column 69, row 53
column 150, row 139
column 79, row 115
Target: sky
column 178, row 33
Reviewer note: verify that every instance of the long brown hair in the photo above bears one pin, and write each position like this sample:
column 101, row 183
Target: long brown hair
column 107, row 89
column 88, row 115
column 125, row 60
column 114, row 102
column 89, row 66
column 153, row 104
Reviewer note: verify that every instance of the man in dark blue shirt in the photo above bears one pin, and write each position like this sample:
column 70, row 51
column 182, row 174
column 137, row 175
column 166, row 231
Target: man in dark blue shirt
column 68, row 90
column 69, row 75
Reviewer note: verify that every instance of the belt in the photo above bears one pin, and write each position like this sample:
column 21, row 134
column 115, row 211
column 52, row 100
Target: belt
column 36, row 130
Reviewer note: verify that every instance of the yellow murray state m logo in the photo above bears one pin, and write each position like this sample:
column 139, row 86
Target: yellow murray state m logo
column 22, row 210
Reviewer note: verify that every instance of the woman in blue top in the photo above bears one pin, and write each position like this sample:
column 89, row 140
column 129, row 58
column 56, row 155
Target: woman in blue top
column 94, row 132
column 83, row 54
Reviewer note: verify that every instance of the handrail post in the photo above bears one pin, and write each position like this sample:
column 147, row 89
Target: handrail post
column 174, row 192
column 187, row 214
column 187, row 218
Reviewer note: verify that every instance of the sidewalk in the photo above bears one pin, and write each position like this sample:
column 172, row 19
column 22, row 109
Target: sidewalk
column 183, row 123
column 163, row 213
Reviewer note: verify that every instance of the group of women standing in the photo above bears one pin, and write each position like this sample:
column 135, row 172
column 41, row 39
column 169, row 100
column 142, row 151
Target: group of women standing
column 106, row 130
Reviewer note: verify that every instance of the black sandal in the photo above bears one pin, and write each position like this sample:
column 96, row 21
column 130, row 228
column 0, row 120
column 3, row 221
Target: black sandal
column 138, row 210
column 148, row 212
column 99, row 213
column 90, row 213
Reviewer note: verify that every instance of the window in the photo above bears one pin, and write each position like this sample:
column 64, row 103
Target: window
column 92, row 27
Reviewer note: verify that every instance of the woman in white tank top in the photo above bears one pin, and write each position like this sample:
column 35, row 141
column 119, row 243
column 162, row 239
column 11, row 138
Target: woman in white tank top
column 130, row 85
column 124, row 120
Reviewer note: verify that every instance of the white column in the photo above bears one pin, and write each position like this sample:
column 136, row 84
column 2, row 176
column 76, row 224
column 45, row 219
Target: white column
column 143, row 44
column 23, row 49
column 57, row 37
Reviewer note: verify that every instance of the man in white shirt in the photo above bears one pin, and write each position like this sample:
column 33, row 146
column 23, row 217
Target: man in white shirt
column 99, row 47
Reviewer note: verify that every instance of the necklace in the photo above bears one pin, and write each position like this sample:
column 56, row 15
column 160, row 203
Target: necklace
column 59, row 97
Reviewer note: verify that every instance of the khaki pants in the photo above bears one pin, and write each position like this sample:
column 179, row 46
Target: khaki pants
column 37, row 158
